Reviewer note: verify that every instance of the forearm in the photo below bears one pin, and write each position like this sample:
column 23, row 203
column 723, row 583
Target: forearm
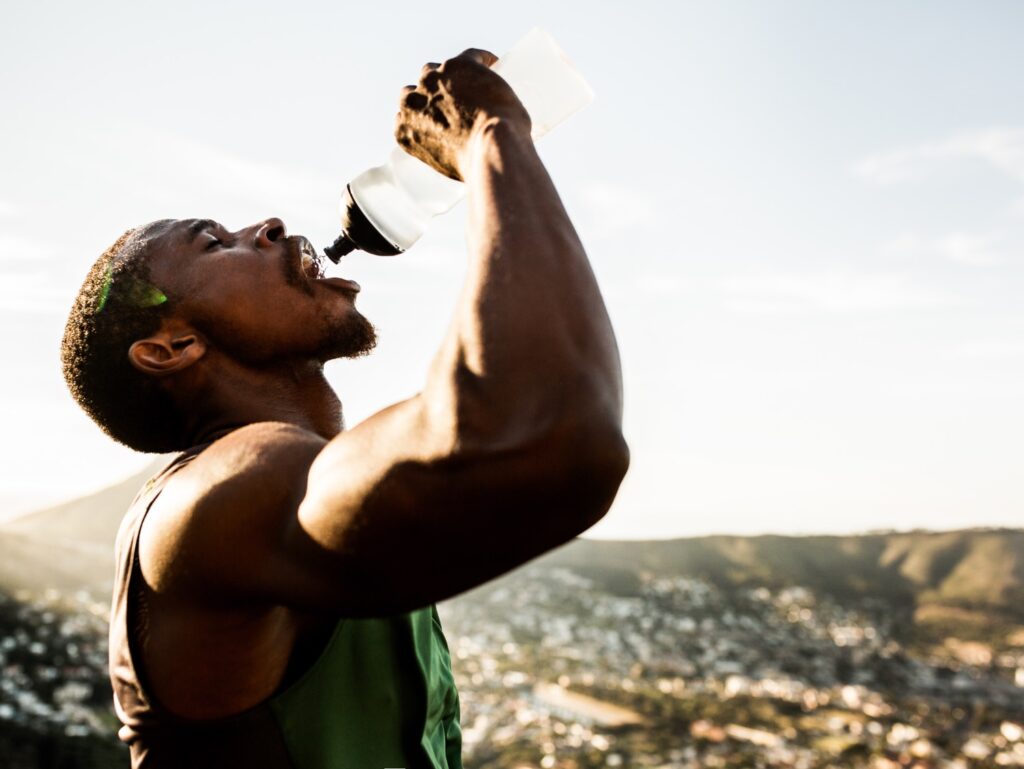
column 531, row 339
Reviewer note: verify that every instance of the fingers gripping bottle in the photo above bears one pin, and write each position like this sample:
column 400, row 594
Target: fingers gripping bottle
column 386, row 209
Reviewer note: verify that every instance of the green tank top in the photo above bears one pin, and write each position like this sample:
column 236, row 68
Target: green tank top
column 386, row 680
column 380, row 696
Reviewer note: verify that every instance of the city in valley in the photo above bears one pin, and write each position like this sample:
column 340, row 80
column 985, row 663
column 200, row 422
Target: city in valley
column 723, row 652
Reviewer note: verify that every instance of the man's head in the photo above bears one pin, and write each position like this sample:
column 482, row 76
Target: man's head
column 176, row 297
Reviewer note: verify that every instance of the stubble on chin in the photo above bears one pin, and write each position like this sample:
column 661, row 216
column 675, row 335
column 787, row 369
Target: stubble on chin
column 353, row 337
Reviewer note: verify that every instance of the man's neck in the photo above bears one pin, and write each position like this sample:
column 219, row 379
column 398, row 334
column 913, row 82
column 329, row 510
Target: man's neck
column 298, row 394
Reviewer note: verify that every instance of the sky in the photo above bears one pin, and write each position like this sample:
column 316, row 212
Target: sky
column 807, row 220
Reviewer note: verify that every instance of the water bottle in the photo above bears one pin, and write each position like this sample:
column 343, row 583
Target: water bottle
column 386, row 209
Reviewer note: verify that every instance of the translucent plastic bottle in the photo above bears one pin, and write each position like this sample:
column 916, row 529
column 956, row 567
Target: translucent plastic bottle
column 386, row 209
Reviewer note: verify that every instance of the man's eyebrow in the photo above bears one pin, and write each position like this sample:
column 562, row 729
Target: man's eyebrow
column 198, row 226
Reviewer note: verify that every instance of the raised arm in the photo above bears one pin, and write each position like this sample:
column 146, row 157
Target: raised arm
column 513, row 447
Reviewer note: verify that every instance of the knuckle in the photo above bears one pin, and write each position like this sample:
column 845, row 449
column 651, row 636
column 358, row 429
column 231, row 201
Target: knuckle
column 415, row 100
column 452, row 64
column 430, row 80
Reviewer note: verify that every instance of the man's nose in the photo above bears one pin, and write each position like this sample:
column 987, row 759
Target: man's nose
column 269, row 232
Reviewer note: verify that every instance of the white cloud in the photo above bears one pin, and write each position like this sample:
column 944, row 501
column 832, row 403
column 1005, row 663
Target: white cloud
column 966, row 248
column 35, row 293
column 991, row 349
column 998, row 148
column 907, row 244
column 835, row 292
column 288, row 188
column 184, row 177
column 970, row 248
column 17, row 249
column 1001, row 148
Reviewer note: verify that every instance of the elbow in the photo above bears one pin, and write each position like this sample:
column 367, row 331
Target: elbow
column 598, row 459
column 604, row 453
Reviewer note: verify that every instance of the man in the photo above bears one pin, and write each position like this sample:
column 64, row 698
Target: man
column 277, row 607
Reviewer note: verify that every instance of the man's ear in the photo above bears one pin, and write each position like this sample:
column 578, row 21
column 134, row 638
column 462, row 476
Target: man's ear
column 168, row 351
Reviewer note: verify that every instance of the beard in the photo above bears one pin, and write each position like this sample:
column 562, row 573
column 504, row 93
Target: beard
column 352, row 337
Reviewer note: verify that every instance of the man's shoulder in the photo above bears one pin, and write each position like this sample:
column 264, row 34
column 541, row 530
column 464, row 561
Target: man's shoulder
column 244, row 466
column 239, row 491
column 256, row 453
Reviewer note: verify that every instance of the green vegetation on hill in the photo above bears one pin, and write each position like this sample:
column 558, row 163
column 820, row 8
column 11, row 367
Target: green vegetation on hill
column 924, row 574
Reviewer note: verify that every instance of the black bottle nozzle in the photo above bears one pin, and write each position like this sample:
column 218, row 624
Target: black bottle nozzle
column 342, row 245
column 358, row 232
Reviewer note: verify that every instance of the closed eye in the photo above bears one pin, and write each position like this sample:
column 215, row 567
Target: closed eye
column 216, row 242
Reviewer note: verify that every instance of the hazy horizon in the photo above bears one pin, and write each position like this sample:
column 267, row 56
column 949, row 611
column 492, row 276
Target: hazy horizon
column 597, row 533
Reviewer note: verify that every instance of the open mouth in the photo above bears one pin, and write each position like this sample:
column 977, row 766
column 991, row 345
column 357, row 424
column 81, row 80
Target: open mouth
column 313, row 267
column 312, row 262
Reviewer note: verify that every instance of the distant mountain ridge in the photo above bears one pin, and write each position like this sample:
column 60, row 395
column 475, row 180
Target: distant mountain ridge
column 70, row 547
column 974, row 569
column 973, row 566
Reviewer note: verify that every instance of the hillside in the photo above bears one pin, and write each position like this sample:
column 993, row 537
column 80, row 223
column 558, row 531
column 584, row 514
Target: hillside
column 69, row 546
column 93, row 518
column 981, row 570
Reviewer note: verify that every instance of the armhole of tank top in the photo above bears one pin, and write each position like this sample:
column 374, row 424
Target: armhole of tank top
column 132, row 588
column 131, row 614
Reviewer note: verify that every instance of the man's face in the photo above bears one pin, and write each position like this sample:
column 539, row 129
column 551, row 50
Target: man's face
column 257, row 294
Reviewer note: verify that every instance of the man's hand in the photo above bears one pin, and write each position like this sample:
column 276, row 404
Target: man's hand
column 439, row 117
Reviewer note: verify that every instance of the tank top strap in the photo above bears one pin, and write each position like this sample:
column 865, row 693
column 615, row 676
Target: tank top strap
column 130, row 701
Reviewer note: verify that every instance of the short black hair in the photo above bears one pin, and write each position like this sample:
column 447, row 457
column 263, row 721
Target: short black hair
column 116, row 306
